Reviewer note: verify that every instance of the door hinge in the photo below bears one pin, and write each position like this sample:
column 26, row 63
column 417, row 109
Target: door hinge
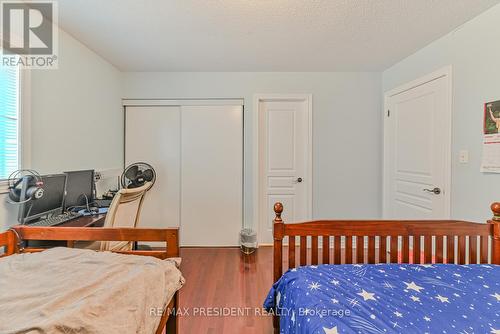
column 388, row 113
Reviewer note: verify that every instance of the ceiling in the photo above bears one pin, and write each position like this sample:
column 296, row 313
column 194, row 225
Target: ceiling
column 261, row 35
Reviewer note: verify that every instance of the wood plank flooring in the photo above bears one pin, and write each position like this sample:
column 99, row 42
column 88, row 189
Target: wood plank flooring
column 222, row 280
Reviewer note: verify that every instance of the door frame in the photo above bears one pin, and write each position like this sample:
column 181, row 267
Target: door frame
column 445, row 72
column 258, row 160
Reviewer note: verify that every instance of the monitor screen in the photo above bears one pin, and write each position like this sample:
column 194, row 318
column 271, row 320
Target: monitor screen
column 51, row 201
column 79, row 188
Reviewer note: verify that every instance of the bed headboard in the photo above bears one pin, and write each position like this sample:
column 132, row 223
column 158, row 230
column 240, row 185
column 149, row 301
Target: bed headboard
column 384, row 241
column 10, row 239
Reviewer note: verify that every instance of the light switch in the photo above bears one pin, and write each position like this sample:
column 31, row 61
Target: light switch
column 463, row 156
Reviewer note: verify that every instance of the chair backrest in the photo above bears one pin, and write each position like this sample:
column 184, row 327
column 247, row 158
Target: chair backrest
column 124, row 211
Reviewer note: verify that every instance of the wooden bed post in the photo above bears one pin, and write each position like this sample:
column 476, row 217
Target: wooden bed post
column 495, row 240
column 8, row 239
column 278, row 232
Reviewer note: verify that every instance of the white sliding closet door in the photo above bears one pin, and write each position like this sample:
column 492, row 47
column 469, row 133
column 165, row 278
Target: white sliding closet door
column 152, row 135
column 197, row 151
column 211, row 175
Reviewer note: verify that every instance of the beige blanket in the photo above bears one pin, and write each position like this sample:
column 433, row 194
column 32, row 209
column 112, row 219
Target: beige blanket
column 72, row 291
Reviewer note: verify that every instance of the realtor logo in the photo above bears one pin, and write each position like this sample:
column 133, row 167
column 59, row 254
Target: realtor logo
column 29, row 33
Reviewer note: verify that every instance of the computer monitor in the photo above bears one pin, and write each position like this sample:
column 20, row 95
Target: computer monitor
column 79, row 188
column 52, row 200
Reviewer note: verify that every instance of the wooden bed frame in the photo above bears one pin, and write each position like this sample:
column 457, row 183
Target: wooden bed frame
column 11, row 240
column 469, row 242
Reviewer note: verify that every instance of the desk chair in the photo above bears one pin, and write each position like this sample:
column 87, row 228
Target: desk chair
column 124, row 211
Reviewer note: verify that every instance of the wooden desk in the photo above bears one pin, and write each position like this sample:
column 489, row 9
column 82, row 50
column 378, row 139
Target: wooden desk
column 86, row 221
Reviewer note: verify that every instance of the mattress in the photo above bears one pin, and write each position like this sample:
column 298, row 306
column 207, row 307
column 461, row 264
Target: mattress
column 388, row 298
column 63, row 290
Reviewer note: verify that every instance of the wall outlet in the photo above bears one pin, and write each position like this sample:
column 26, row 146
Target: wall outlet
column 463, row 156
column 97, row 176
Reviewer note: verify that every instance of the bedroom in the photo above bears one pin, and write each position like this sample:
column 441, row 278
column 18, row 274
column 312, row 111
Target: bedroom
column 190, row 88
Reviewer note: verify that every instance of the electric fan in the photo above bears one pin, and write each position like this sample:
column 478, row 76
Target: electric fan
column 137, row 174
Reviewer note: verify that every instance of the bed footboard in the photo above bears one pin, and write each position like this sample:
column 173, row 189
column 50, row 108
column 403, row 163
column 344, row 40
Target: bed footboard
column 384, row 241
column 11, row 241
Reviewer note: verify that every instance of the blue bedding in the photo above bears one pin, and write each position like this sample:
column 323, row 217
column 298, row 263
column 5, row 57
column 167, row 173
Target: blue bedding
column 388, row 298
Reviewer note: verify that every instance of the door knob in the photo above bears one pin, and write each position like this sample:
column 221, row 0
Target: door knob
column 435, row 191
column 299, row 179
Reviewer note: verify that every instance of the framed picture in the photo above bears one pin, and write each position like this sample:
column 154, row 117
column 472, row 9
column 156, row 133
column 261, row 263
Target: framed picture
column 492, row 118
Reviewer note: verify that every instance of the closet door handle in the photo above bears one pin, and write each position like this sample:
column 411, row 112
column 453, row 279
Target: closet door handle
column 299, row 180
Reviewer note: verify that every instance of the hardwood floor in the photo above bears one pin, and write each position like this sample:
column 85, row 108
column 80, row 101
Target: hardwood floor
column 224, row 280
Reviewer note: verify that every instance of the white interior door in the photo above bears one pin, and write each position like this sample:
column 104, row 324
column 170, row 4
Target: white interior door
column 284, row 159
column 417, row 151
column 211, row 175
column 152, row 135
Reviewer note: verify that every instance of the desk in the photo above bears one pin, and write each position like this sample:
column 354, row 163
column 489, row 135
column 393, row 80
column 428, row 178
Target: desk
column 84, row 221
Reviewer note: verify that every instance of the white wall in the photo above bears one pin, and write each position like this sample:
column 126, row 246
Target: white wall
column 76, row 116
column 474, row 52
column 346, row 126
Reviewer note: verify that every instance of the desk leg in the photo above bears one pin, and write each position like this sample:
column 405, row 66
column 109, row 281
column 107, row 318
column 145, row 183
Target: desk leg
column 70, row 244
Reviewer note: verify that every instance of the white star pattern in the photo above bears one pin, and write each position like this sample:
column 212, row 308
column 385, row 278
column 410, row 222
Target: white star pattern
column 442, row 299
column 314, row 286
column 335, row 301
column 332, row 330
column 415, row 299
column 388, row 285
column 353, row 302
column 366, row 295
column 497, row 296
column 495, row 331
column 426, row 318
column 335, row 282
column 398, row 314
column 413, row 286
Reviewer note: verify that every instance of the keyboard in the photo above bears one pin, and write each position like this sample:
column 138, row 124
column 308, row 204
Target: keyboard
column 57, row 220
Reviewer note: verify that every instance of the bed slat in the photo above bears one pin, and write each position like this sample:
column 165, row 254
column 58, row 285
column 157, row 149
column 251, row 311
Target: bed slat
column 314, row 248
column 439, row 249
column 461, row 250
column 484, row 249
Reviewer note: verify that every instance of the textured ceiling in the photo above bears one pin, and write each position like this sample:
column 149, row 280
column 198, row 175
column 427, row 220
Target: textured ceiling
column 262, row 35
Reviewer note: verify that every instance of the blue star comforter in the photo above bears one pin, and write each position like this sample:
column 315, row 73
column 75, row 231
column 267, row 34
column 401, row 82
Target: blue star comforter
column 388, row 298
